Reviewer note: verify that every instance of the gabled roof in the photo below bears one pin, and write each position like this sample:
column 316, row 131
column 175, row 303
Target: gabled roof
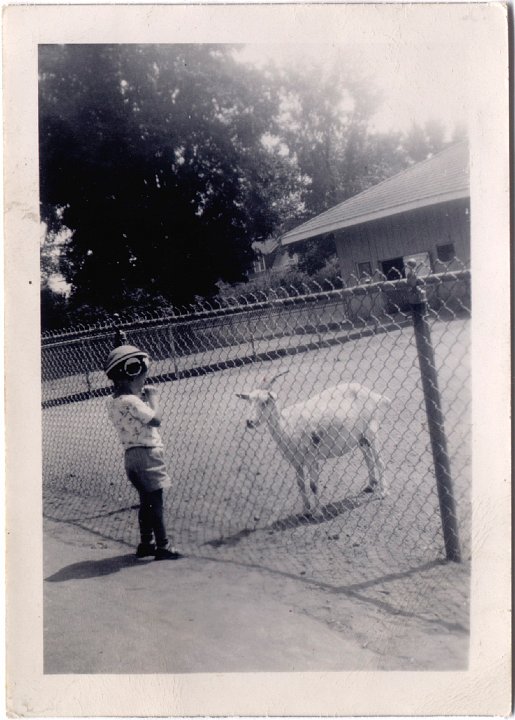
column 265, row 247
column 441, row 178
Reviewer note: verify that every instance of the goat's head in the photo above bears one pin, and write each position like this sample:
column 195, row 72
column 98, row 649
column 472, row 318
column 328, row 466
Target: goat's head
column 262, row 403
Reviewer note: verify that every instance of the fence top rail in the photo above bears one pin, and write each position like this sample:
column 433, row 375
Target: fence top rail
column 241, row 305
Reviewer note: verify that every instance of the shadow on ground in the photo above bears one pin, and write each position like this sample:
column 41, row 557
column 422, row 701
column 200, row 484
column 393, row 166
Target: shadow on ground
column 322, row 515
column 94, row 568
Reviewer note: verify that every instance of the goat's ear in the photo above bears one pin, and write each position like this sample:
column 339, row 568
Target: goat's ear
column 243, row 396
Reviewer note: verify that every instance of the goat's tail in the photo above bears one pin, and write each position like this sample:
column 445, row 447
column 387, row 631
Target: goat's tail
column 380, row 401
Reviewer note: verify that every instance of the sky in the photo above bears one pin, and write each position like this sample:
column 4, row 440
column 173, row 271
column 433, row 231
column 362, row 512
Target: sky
column 419, row 82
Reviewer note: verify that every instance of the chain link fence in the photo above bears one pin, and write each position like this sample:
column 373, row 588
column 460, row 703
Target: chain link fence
column 235, row 496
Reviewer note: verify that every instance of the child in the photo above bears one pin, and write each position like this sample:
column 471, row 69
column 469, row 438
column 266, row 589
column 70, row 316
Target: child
column 133, row 410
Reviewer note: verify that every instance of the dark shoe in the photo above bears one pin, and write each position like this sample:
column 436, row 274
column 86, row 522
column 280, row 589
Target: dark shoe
column 165, row 554
column 145, row 550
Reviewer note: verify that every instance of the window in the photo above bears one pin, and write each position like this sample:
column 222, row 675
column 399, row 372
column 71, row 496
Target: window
column 393, row 269
column 259, row 264
column 364, row 270
column 445, row 253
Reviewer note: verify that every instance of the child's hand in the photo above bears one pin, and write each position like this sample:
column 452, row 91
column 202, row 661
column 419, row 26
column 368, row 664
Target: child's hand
column 149, row 391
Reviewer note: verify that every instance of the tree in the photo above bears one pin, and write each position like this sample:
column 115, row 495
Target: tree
column 165, row 163
column 154, row 157
column 324, row 122
column 423, row 141
column 314, row 254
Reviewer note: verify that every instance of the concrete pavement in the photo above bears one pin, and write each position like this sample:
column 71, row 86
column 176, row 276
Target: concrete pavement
column 106, row 612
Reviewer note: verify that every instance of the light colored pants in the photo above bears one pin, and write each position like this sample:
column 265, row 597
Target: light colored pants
column 145, row 468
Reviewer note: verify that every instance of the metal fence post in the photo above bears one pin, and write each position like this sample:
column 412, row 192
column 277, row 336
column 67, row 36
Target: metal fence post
column 251, row 333
column 120, row 337
column 173, row 351
column 435, row 419
column 86, row 371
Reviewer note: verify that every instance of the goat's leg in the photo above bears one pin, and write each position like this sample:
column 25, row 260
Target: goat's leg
column 302, row 489
column 375, row 466
column 312, row 472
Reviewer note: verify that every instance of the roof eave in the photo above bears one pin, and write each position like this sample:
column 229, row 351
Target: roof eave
column 299, row 234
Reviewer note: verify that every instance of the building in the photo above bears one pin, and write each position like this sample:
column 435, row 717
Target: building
column 271, row 256
column 422, row 213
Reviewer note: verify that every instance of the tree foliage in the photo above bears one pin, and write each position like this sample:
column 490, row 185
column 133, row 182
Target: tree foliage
column 163, row 163
column 326, row 112
column 153, row 156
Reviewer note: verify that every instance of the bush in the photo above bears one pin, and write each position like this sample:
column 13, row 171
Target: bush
column 291, row 281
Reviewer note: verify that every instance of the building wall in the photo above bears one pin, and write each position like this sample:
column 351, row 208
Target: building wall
column 277, row 262
column 400, row 235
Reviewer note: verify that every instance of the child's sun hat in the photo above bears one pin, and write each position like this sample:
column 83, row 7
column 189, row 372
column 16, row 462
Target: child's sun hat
column 126, row 360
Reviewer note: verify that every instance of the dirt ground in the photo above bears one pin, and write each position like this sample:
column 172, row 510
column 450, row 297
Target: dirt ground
column 106, row 612
column 364, row 571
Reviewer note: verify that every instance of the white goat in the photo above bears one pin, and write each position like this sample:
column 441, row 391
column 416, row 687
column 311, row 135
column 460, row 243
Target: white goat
column 327, row 425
